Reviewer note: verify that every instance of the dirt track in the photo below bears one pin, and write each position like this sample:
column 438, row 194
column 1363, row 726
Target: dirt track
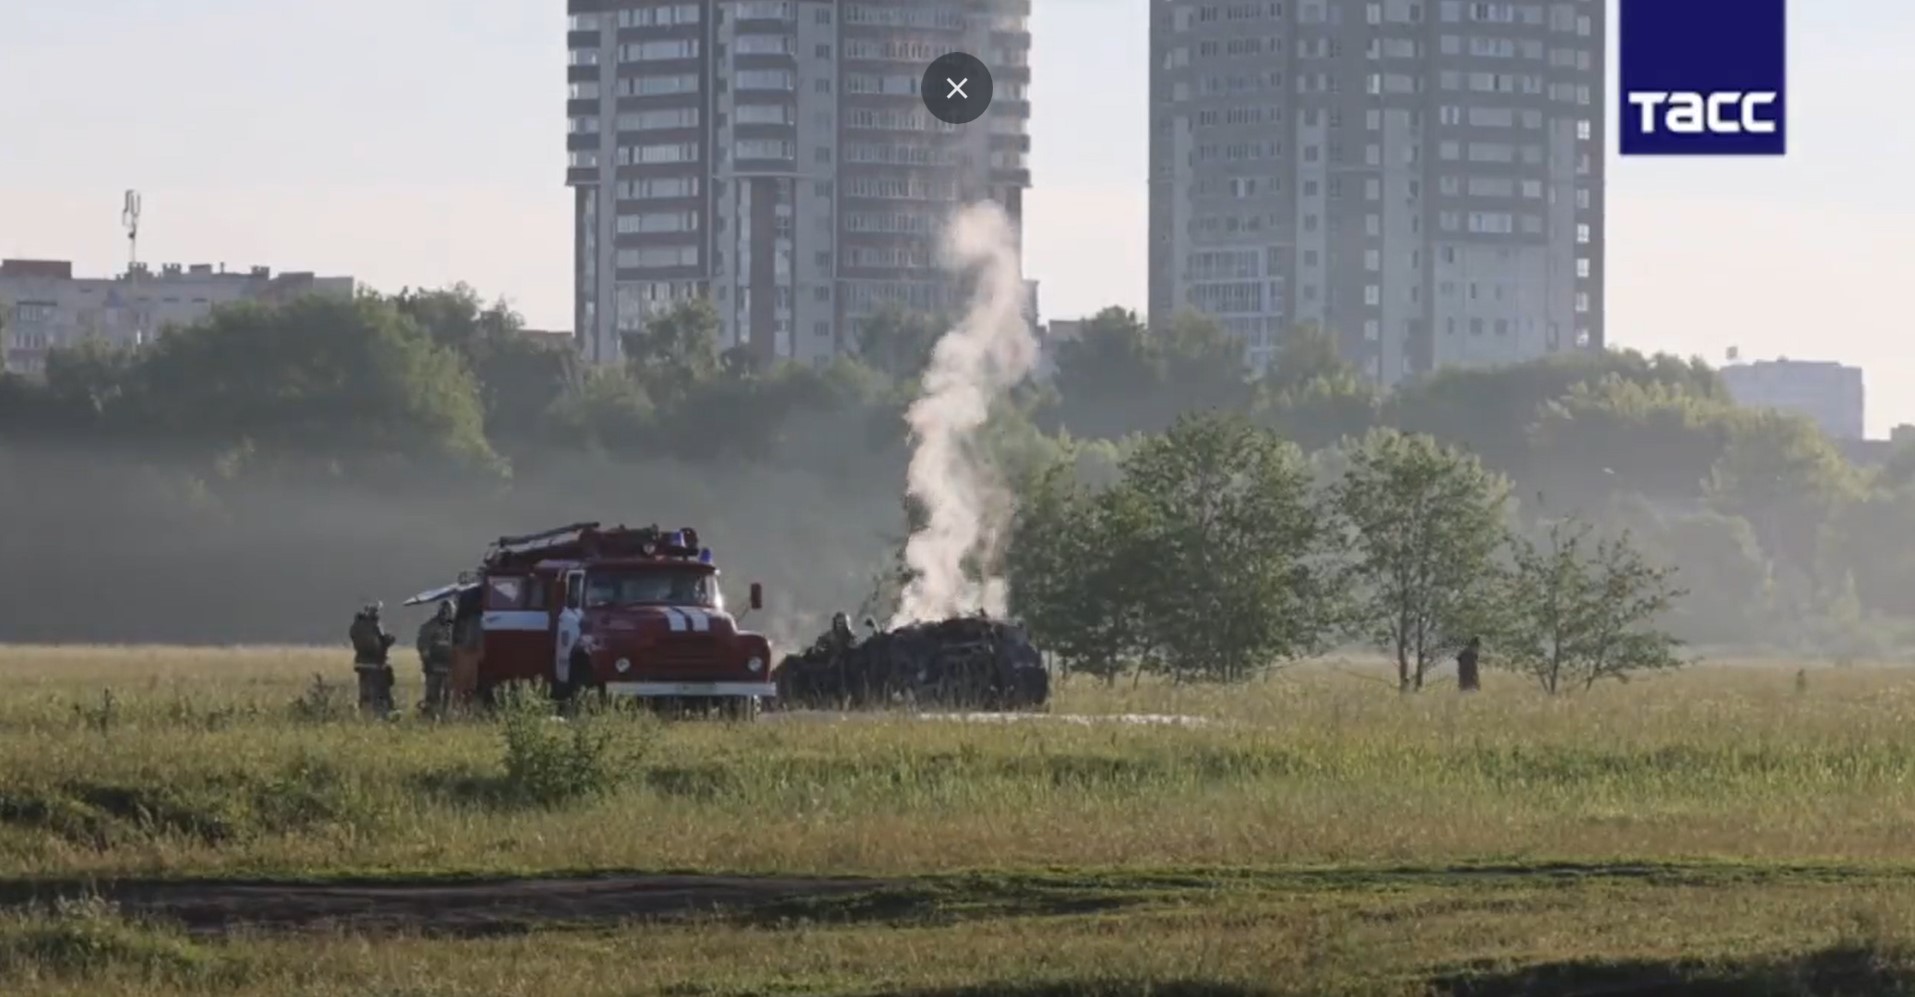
column 457, row 908
column 478, row 907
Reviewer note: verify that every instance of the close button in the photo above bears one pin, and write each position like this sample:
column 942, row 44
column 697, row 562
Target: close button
column 956, row 88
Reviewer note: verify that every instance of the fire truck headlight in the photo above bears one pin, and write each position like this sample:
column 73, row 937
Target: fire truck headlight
column 624, row 665
column 756, row 665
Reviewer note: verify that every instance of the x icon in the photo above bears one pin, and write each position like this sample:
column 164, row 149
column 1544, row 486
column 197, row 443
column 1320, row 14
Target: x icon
column 957, row 89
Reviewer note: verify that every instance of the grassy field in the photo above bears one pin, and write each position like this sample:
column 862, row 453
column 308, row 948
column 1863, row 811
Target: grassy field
column 1316, row 833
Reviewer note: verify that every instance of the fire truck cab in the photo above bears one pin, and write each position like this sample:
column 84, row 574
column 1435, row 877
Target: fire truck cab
column 645, row 603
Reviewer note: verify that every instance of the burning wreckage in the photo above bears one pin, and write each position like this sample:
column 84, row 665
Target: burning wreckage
column 967, row 662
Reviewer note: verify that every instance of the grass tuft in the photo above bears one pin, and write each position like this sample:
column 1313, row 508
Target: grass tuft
column 87, row 937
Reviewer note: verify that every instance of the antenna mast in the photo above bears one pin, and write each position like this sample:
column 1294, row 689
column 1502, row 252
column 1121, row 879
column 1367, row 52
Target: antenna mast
column 130, row 218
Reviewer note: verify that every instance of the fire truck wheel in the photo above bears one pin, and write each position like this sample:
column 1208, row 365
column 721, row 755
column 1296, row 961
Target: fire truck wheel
column 741, row 709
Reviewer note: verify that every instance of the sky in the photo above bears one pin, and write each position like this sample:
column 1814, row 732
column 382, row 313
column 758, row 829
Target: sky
column 423, row 142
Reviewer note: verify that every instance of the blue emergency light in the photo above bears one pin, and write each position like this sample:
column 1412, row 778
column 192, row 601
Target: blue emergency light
column 704, row 556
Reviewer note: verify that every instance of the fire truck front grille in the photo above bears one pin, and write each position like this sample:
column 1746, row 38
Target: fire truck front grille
column 685, row 658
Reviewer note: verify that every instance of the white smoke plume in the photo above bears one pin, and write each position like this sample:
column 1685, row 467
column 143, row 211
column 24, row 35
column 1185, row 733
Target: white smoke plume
column 973, row 365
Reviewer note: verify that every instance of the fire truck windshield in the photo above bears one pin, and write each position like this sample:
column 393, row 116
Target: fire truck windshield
column 653, row 586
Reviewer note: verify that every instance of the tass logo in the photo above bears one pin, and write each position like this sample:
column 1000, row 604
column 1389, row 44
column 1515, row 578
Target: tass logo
column 1703, row 78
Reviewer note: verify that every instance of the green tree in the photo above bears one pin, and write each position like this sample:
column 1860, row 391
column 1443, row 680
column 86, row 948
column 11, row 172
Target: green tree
column 607, row 410
column 1860, row 548
column 1079, row 571
column 1311, row 395
column 1203, row 366
column 1118, row 377
column 899, row 342
column 1422, row 523
column 1730, row 598
column 1614, row 434
column 676, row 347
column 520, row 375
column 1579, row 612
column 1489, row 410
column 88, row 384
column 455, row 317
column 1308, row 354
column 1787, row 479
column 520, row 379
column 315, row 376
column 1235, row 544
column 1103, row 372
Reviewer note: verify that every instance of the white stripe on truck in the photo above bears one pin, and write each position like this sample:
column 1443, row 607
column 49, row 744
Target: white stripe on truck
column 516, row 620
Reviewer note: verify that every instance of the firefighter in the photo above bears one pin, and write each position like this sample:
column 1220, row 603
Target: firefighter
column 435, row 658
column 371, row 646
column 569, row 643
column 467, row 639
column 838, row 643
column 1467, row 677
column 841, row 635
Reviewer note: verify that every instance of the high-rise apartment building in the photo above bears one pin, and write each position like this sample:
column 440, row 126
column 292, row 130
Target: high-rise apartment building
column 776, row 155
column 1422, row 178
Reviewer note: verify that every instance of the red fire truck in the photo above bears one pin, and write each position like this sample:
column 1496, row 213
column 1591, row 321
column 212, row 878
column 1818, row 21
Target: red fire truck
column 645, row 603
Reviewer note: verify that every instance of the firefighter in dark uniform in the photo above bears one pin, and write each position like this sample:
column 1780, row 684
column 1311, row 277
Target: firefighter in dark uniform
column 838, row 643
column 435, row 658
column 1468, row 679
column 371, row 647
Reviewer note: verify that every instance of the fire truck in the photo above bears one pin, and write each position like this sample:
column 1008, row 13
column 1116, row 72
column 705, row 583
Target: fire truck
column 650, row 618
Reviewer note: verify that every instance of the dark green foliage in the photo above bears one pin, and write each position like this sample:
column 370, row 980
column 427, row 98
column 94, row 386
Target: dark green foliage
column 195, row 444
column 1422, row 524
column 317, row 376
column 1119, row 377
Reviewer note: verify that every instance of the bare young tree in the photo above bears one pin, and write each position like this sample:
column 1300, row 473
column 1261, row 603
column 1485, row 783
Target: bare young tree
column 1584, row 608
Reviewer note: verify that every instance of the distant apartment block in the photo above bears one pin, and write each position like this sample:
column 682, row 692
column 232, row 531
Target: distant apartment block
column 44, row 306
column 1421, row 178
column 1826, row 392
column 776, row 156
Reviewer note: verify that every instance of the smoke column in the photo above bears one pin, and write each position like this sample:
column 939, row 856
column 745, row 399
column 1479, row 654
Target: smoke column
column 988, row 353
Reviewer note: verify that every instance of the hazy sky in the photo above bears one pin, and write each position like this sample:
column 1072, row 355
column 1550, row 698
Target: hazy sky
column 422, row 142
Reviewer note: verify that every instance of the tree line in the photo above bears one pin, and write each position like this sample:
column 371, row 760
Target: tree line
column 1777, row 533
column 1222, row 548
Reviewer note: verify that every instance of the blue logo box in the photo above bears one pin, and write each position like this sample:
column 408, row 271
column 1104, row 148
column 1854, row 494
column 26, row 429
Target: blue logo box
column 1703, row 77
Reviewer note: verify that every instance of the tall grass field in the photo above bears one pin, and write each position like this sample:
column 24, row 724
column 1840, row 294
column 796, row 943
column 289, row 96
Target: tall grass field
column 1739, row 825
